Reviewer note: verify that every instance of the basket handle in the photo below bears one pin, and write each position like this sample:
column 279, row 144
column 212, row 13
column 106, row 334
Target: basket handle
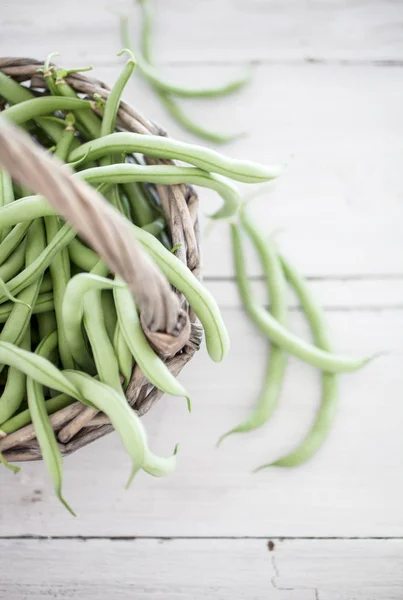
column 165, row 323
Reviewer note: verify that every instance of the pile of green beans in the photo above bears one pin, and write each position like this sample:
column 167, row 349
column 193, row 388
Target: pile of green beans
column 273, row 324
column 66, row 325
column 167, row 91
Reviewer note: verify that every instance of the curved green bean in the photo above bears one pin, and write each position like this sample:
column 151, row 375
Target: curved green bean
column 123, row 418
column 19, row 319
column 13, row 239
column 280, row 335
column 14, row 392
column 141, row 210
column 123, row 355
column 154, row 369
column 277, row 362
column 6, row 195
column 102, row 349
column 200, row 299
column 60, row 266
column 328, row 408
column 176, row 111
column 43, row 304
column 109, row 310
column 13, row 264
column 44, row 432
column 38, row 266
column 82, row 256
column 163, row 147
column 169, row 175
column 156, row 227
column 113, row 100
column 39, row 107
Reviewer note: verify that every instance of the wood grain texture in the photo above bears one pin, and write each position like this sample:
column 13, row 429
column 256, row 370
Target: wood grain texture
column 352, row 488
column 224, row 569
column 228, row 30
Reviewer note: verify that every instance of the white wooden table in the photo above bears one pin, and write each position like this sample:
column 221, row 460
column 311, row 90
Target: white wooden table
column 327, row 98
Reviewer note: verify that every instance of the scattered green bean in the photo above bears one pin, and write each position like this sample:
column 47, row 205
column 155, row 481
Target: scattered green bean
column 123, row 355
column 328, row 408
column 14, row 392
column 12, row 239
column 278, row 334
column 277, row 362
column 24, row 418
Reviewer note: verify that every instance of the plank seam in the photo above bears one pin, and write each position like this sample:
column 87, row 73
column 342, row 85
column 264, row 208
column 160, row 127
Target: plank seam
column 173, row 538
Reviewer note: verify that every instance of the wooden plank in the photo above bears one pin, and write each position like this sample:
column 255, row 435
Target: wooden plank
column 352, row 487
column 210, row 31
column 176, row 569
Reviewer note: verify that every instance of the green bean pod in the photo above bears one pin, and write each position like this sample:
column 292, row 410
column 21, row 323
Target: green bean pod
column 163, row 147
column 13, row 264
column 123, row 355
column 6, row 195
column 44, row 432
column 151, row 365
column 277, row 362
column 24, row 418
column 279, row 335
column 12, row 240
column 43, row 304
column 19, row 319
column 14, row 391
column 39, row 107
column 329, row 405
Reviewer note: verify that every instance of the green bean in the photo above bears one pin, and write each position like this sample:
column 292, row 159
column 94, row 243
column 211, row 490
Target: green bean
column 179, row 115
column 13, row 264
column 141, row 210
column 94, row 323
column 38, row 266
column 73, row 311
column 24, row 418
column 43, row 304
column 19, row 319
column 277, row 362
column 328, row 408
column 60, row 265
column 126, row 423
column 84, row 114
column 36, row 206
column 44, row 432
column 163, row 147
column 6, row 195
column 110, row 316
column 46, row 285
column 201, row 301
column 12, row 239
column 113, row 101
column 8, row 466
column 47, row 70
column 153, row 76
column 167, row 99
column 23, row 210
column 14, row 392
column 280, row 335
column 156, row 227
column 38, row 368
column 47, row 323
column 109, row 120
column 146, row 30
column 13, row 299
column 167, row 174
column 82, row 256
column 151, row 365
column 123, row 355
column 38, row 107
column 123, row 418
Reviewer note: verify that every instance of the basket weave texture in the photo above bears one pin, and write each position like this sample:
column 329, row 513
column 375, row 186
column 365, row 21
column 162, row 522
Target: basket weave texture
column 78, row 425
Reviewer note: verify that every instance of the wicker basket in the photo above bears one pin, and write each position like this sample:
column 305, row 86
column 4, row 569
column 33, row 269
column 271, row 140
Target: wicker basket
column 78, row 425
